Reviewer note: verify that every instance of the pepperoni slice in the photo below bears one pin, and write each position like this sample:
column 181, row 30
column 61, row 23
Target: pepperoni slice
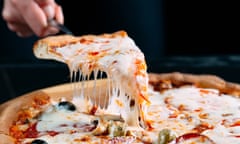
column 31, row 132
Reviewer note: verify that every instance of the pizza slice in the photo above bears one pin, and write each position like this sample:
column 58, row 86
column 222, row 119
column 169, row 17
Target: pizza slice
column 115, row 54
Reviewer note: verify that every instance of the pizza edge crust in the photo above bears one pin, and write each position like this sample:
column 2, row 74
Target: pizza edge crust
column 46, row 48
column 199, row 80
column 8, row 110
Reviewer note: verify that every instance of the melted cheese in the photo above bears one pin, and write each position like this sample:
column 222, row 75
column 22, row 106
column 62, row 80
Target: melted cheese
column 124, row 65
column 184, row 109
column 61, row 120
column 181, row 110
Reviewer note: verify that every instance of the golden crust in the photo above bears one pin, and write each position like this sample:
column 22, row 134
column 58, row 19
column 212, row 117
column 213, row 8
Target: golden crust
column 46, row 48
column 203, row 81
column 49, row 44
column 63, row 40
column 9, row 110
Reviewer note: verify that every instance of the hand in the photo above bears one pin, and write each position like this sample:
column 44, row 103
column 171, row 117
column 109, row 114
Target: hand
column 28, row 17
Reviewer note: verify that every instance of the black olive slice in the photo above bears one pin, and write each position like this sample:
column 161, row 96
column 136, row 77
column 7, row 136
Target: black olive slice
column 67, row 105
column 39, row 141
column 95, row 122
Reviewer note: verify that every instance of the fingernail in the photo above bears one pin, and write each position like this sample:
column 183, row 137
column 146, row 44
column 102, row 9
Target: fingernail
column 49, row 11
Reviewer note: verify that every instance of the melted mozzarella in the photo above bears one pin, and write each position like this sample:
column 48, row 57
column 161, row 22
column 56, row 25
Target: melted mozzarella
column 61, row 120
column 184, row 109
column 181, row 110
column 124, row 65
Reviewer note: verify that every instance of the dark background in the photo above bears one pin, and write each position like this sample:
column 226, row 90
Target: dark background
column 187, row 36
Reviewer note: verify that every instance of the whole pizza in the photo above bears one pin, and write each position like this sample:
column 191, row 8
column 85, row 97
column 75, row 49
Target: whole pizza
column 130, row 106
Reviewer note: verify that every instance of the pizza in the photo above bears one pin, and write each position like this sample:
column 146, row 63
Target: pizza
column 184, row 108
column 130, row 106
column 115, row 54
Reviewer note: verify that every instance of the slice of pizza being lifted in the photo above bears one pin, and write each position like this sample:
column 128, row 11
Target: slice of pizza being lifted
column 115, row 54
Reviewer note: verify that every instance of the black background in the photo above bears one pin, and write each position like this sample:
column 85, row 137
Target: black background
column 202, row 27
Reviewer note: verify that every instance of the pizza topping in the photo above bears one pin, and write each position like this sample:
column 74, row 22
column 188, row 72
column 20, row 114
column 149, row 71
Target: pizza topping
column 95, row 122
column 202, row 127
column 59, row 119
column 67, row 105
column 31, row 132
column 190, row 109
column 39, row 141
column 197, row 118
column 194, row 138
column 116, row 128
column 101, row 127
column 115, row 54
column 191, row 114
column 165, row 136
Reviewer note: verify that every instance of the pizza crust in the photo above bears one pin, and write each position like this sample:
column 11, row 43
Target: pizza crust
column 45, row 48
column 203, row 81
column 8, row 110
